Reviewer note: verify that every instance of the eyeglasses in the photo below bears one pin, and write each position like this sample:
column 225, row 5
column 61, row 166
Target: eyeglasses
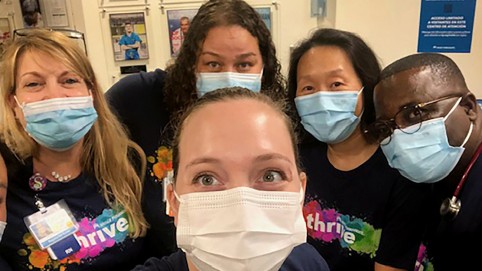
column 73, row 34
column 408, row 120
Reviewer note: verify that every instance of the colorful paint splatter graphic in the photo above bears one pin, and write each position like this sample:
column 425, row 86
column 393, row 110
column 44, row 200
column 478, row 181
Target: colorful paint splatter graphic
column 161, row 162
column 423, row 263
column 330, row 226
column 94, row 236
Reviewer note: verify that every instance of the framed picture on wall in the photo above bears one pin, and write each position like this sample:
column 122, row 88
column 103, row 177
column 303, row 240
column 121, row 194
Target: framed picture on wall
column 121, row 3
column 178, row 22
column 54, row 13
column 265, row 14
column 31, row 14
column 5, row 30
column 129, row 37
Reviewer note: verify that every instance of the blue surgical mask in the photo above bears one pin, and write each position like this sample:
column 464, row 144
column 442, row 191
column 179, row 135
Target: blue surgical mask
column 424, row 156
column 59, row 123
column 210, row 81
column 328, row 115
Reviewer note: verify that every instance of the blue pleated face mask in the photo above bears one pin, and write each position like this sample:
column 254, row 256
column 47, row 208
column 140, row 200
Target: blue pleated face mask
column 210, row 81
column 329, row 115
column 426, row 155
column 59, row 123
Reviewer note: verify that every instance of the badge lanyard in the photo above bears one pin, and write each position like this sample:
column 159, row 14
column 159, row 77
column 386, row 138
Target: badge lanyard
column 451, row 206
column 54, row 228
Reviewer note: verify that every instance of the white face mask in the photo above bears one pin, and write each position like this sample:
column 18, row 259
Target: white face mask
column 2, row 228
column 240, row 229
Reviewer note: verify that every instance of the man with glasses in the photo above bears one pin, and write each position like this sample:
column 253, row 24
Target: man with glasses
column 429, row 127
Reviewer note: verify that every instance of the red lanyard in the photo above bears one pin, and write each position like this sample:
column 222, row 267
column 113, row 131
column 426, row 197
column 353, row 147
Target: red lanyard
column 467, row 170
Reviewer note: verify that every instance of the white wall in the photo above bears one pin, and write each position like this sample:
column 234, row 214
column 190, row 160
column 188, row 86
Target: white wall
column 391, row 27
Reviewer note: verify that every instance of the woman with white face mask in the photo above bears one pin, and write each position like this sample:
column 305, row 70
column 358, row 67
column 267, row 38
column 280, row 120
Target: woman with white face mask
column 227, row 44
column 237, row 191
column 74, row 193
column 360, row 212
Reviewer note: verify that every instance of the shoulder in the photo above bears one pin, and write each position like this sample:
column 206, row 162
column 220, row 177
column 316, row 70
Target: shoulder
column 174, row 262
column 304, row 258
column 135, row 85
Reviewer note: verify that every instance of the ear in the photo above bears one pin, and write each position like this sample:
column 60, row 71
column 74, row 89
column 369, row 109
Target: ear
column 13, row 104
column 173, row 202
column 303, row 180
column 11, row 101
column 469, row 102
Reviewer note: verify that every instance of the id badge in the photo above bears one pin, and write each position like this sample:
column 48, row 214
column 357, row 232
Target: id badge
column 54, row 228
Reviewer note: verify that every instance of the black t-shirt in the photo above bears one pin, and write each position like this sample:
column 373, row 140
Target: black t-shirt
column 367, row 214
column 138, row 100
column 302, row 258
column 103, row 231
column 454, row 244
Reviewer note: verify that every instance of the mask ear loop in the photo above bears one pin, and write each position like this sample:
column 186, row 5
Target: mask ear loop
column 18, row 103
column 363, row 104
column 453, row 108
column 471, row 123
column 468, row 134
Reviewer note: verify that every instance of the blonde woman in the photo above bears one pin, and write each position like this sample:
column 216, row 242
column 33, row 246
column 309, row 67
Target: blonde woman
column 71, row 147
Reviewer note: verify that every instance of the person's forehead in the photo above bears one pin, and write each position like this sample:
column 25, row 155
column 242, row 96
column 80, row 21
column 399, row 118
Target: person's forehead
column 236, row 112
column 230, row 42
column 236, row 122
column 412, row 86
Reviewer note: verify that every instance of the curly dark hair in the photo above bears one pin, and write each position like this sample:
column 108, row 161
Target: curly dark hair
column 180, row 87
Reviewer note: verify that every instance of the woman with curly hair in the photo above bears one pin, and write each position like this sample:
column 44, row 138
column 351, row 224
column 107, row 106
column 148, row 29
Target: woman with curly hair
column 227, row 45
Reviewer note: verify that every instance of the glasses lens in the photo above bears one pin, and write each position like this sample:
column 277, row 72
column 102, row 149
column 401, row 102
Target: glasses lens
column 409, row 120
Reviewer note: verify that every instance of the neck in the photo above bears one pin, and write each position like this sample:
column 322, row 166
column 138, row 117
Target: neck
column 352, row 152
column 64, row 163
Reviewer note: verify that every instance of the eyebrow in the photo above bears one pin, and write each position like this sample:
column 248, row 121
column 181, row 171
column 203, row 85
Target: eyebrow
column 335, row 72
column 38, row 74
column 203, row 160
column 271, row 156
column 260, row 158
column 241, row 56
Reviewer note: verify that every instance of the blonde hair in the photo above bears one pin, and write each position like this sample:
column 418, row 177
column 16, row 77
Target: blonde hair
column 107, row 152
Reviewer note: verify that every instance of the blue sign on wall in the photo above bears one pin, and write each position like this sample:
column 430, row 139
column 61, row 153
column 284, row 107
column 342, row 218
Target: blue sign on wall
column 446, row 26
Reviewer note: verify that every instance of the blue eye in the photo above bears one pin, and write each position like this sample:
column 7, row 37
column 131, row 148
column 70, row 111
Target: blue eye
column 273, row 176
column 206, row 180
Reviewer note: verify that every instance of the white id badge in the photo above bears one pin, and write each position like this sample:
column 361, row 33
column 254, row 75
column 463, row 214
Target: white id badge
column 54, row 226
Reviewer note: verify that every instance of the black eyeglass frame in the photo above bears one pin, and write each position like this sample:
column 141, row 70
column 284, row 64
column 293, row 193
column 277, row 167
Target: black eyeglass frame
column 385, row 128
column 73, row 34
